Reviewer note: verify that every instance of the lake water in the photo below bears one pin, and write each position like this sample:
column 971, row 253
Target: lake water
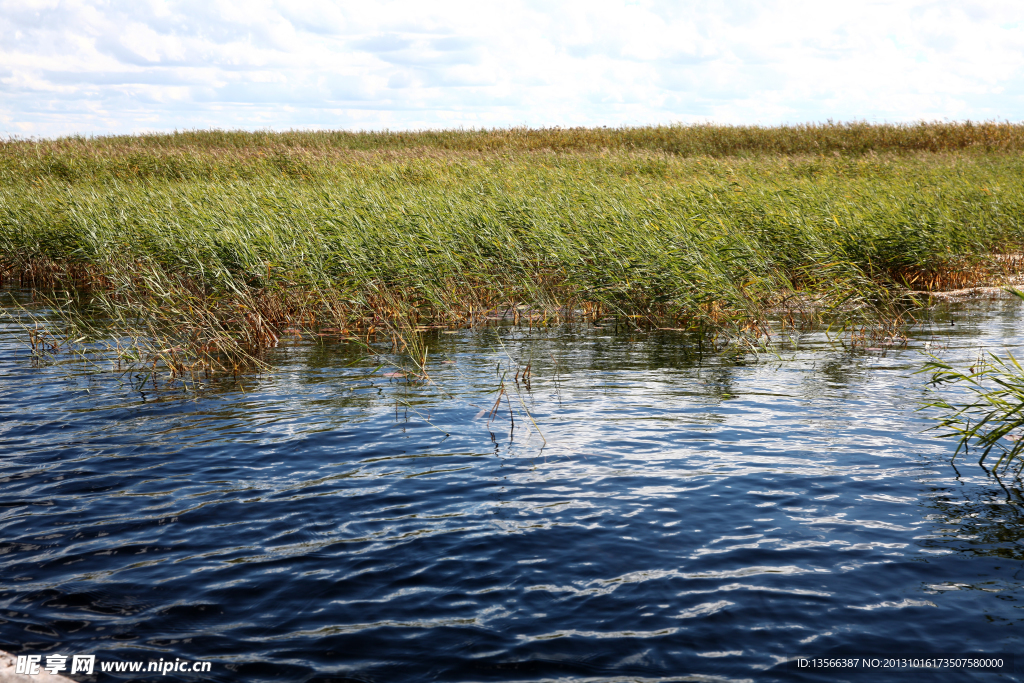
column 703, row 518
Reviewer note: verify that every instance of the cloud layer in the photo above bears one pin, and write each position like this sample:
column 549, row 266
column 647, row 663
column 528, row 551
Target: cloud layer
column 69, row 66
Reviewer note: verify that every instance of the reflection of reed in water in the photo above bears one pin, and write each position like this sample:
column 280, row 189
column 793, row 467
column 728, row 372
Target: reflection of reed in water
column 986, row 521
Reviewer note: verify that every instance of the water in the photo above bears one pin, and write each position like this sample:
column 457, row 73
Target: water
column 689, row 518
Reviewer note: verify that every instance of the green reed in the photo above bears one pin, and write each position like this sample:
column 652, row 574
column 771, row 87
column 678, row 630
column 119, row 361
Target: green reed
column 991, row 417
column 218, row 241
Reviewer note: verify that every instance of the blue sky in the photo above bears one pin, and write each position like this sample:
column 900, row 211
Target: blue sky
column 72, row 67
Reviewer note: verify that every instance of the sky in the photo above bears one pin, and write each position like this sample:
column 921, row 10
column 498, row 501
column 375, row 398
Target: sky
column 89, row 68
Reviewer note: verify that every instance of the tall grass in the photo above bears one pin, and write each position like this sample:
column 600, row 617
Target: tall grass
column 856, row 138
column 991, row 415
column 223, row 239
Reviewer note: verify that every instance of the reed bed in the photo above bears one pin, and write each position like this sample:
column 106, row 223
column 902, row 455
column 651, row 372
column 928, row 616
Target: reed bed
column 708, row 140
column 217, row 243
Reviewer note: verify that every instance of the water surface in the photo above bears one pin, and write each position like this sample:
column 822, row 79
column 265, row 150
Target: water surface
column 684, row 517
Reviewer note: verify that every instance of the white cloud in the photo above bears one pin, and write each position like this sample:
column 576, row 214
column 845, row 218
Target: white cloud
column 81, row 67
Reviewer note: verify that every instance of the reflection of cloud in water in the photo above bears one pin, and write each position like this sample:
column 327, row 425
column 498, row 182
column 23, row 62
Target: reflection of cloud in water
column 895, row 605
column 704, row 609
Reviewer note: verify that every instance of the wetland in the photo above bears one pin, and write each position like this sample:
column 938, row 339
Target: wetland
column 603, row 405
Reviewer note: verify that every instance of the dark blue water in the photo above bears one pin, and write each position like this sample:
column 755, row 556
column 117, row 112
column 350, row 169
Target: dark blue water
column 690, row 517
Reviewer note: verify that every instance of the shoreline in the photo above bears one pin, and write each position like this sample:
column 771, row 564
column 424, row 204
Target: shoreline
column 8, row 668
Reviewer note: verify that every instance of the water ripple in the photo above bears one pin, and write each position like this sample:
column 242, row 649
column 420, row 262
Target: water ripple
column 686, row 520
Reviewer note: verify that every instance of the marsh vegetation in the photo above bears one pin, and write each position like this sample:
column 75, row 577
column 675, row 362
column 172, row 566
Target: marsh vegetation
column 214, row 244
